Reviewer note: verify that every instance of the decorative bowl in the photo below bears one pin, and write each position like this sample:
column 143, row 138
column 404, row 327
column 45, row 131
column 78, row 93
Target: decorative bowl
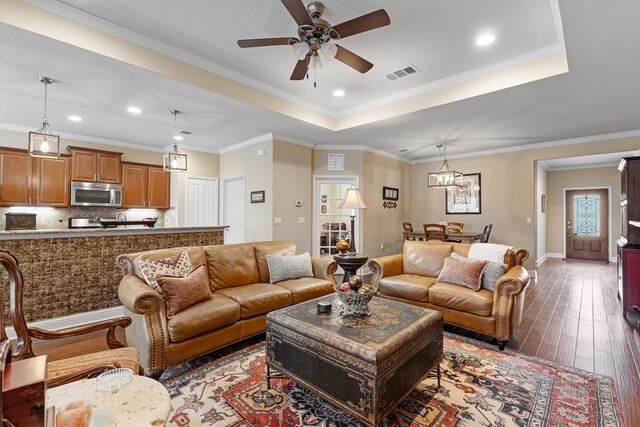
column 114, row 379
column 355, row 303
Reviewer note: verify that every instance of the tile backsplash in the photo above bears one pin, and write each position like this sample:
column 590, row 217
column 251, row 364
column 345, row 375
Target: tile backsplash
column 54, row 218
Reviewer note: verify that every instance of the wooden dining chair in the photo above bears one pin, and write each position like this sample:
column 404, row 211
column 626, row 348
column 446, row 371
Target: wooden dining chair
column 74, row 368
column 454, row 228
column 435, row 232
column 486, row 233
column 407, row 229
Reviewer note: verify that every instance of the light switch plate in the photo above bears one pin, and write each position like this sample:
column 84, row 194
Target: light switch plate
column 300, row 220
column 277, row 220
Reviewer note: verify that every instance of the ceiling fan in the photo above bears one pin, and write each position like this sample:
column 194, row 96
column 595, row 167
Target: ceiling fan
column 315, row 36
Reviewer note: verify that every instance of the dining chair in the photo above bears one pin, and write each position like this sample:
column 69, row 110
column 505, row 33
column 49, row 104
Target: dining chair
column 486, row 233
column 407, row 228
column 73, row 368
column 435, row 232
column 454, row 228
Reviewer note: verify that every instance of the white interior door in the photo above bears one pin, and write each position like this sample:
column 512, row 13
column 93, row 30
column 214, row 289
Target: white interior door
column 201, row 201
column 234, row 209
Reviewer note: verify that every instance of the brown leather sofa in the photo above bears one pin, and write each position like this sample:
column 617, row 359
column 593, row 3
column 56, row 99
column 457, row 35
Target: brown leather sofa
column 411, row 277
column 239, row 279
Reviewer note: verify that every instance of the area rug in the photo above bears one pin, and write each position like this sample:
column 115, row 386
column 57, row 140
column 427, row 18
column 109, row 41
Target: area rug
column 480, row 387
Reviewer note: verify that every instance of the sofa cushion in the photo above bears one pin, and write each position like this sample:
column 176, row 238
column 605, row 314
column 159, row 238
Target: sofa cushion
column 462, row 299
column 231, row 265
column 407, row 286
column 286, row 267
column 492, row 272
column 151, row 268
column 206, row 316
column 424, row 258
column 258, row 298
column 467, row 274
column 181, row 293
column 306, row 288
column 262, row 249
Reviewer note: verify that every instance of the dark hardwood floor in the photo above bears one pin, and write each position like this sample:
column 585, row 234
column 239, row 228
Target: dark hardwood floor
column 572, row 317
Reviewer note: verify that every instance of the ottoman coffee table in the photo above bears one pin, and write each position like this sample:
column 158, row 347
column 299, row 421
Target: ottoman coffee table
column 365, row 366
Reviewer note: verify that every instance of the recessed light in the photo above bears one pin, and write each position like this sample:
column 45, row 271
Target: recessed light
column 134, row 110
column 178, row 138
column 485, row 39
column 75, row 118
column 339, row 93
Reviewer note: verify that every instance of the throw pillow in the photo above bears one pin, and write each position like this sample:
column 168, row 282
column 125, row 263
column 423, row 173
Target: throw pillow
column 178, row 266
column 285, row 267
column 491, row 274
column 181, row 293
column 467, row 274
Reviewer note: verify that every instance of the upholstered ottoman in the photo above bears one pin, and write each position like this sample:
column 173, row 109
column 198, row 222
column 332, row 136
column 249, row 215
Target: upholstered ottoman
column 363, row 366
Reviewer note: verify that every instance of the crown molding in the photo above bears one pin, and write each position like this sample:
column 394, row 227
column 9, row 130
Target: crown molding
column 534, row 146
column 387, row 154
column 247, row 143
column 340, row 147
column 588, row 166
column 169, row 148
column 294, row 141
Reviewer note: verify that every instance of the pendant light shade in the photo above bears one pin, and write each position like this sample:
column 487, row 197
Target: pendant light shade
column 175, row 161
column 42, row 143
column 445, row 177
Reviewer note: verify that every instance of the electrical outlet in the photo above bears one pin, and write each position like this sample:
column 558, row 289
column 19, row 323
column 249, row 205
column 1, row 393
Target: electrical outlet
column 301, row 220
column 381, row 248
column 528, row 220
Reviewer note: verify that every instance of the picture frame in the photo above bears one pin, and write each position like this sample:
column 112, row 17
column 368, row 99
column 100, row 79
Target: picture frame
column 464, row 200
column 390, row 193
column 543, row 203
column 257, row 196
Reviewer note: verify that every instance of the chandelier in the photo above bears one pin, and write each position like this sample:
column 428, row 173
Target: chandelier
column 42, row 143
column 175, row 161
column 445, row 177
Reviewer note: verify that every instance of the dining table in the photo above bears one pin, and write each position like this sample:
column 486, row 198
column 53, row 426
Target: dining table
column 465, row 236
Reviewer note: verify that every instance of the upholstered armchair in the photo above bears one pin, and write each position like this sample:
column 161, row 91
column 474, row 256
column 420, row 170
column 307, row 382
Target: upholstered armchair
column 74, row 368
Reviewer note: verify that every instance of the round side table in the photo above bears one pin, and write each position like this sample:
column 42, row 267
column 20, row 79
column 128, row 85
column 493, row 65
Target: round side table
column 350, row 264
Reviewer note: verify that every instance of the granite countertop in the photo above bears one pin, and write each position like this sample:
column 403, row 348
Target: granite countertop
column 73, row 232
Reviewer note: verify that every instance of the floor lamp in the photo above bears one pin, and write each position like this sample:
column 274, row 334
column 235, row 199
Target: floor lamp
column 352, row 200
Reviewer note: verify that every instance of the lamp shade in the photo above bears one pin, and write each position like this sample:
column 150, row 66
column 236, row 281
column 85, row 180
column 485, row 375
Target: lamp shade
column 300, row 50
column 329, row 50
column 352, row 200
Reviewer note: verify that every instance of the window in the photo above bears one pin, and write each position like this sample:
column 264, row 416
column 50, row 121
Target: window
column 331, row 223
column 586, row 216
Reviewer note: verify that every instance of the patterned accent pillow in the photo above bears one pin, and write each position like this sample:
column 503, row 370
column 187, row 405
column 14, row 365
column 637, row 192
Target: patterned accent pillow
column 285, row 267
column 181, row 293
column 178, row 266
column 491, row 274
column 467, row 274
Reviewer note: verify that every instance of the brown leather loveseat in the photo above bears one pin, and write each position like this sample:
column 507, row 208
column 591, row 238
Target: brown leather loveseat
column 239, row 280
column 411, row 277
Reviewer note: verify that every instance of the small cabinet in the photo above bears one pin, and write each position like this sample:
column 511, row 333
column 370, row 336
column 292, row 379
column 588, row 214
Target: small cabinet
column 145, row 186
column 33, row 181
column 95, row 166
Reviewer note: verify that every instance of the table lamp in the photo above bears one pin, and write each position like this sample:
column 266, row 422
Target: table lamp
column 352, row 200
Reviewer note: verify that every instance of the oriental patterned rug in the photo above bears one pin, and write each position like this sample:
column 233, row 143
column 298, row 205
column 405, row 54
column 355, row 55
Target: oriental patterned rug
column 480, row 387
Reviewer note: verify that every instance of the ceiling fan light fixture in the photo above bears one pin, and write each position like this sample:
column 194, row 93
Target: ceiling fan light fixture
column 315, row 62
column 300, row 50
column 329, row 50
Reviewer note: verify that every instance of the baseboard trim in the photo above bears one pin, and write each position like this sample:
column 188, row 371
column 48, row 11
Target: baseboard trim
column 613, row 259
column 555, row 255
column 73, row 320
column 542, row 259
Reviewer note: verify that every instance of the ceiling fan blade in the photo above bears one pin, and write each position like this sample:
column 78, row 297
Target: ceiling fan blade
column 276, row 41
column 363, row 23
column 354, row 61
column 300, row 70
column 298, row 11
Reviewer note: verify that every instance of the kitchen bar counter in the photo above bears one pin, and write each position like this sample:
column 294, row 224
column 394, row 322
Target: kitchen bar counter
column 67, row 272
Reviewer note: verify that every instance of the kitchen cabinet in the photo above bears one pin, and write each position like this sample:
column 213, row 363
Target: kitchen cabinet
column 145, row 186
column 90, row 165
column 33, row 181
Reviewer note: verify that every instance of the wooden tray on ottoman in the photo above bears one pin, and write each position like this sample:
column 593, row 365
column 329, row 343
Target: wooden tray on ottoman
column 363, row 366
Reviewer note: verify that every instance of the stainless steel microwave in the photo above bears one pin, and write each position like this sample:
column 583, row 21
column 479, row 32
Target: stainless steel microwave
column 96, row 194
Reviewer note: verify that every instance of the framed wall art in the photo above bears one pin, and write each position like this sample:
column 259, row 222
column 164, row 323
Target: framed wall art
column 465, row 199
column 257, row 196
column 390, row 193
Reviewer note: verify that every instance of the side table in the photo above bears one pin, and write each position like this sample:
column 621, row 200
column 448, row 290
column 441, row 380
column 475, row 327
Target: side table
column 350, row 264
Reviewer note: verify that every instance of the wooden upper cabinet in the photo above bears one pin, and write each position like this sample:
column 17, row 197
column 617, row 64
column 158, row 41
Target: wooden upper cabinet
column 158, row 184
column 51, row 182
column 145, row 186
column 95, row 165
column 15, row 178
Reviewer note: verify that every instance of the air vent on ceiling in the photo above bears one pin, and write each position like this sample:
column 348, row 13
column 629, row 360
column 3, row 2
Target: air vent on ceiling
column 185, row 132
column 402, row 73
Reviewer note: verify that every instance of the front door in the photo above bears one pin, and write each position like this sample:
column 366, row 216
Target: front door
column 587, row 224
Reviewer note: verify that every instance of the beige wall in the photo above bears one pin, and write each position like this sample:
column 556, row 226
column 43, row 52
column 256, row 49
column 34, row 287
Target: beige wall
column 258, row 175
column 508, row 196
column 580, row 178
column 292, row 182
column 199, row 164
column 383, row 226
column 540, row 224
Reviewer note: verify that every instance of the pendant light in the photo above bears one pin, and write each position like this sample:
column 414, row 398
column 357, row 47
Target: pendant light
column 175, row 161
column 42, row 143
column 445, row 177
